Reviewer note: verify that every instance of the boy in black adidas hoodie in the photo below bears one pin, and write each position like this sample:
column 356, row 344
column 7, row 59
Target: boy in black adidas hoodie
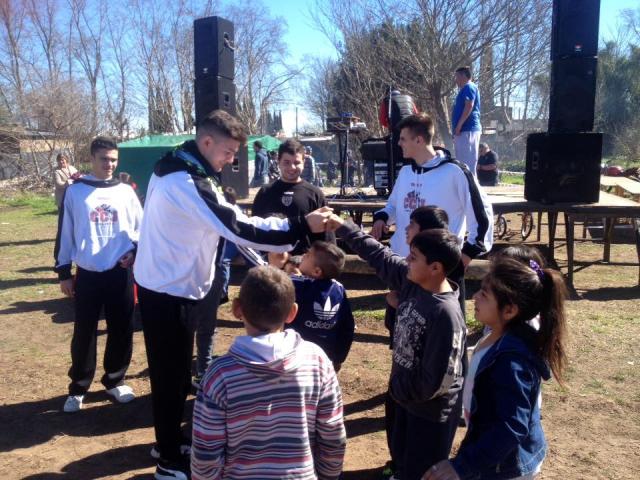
column 428, row 345
column 324, row 313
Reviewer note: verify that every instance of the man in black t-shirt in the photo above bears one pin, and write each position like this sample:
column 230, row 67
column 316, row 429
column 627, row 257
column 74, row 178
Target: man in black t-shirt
column 487, row 168
column 290, row 195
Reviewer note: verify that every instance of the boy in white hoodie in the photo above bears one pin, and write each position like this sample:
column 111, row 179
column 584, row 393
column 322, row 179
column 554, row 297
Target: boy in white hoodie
column 271, row 408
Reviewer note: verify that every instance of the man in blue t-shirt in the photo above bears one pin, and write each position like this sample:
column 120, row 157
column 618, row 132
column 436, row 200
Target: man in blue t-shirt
column 465, row 120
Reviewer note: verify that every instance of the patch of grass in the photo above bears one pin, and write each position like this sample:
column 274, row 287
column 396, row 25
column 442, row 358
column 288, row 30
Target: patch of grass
column 512, row 179
column 39, row 204
column 595, row 386
column 619, row 377
column 472, row 323
column 375, row 315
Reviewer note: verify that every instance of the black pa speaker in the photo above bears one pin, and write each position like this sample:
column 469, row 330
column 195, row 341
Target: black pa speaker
column 214, row 93
column 573, row 94
column 213, row 47
column 574, row 30
column 563, row 167
column 236, row 175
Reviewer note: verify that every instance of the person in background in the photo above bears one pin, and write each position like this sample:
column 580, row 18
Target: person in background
column 292, row 265
column 63, row 176
column 332, row 172
column 291, row 195
column 466, row 119
column 261, row 165
column 487, row 170
column 274, row 171
column 309, row 167
column 205, row 313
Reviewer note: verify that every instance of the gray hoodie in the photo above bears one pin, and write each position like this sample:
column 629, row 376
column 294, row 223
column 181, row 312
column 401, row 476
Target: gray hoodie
column 429, row 359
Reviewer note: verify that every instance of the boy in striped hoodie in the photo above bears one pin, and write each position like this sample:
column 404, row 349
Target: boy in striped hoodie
column 271, row 408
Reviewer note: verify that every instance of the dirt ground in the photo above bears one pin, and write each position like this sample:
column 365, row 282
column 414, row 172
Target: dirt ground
column 592, row 426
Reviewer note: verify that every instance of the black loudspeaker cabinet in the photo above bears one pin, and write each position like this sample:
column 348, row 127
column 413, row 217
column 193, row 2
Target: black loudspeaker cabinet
column 213, row 93
column 574, row 30
column 213, row 47
column 376, row 150
column 236, row 175
column 563, row 167
column 573, row 94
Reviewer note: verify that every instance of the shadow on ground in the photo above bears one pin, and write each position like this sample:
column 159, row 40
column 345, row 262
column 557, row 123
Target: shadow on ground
column 606, row 294
column 28, row 424
column 112, row 462
column 368, row 474
column 26, row 282
column 363, row 426
column 34, row 241
column 364, row 405
column 60, row 309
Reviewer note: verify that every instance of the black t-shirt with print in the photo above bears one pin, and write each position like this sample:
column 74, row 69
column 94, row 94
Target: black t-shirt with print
column 290, row 200
column 488, row 178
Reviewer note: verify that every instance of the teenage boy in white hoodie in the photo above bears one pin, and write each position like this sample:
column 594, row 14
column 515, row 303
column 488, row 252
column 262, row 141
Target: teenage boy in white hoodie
column 434, row 178
column 98, row 230
column 271, row 408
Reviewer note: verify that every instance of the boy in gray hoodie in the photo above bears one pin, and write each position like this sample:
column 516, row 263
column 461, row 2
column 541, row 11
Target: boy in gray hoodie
column 428, row 343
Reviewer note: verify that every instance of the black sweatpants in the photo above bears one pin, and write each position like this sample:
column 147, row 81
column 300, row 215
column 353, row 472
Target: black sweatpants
column 418, row 443
column 113, row 290
column 168, row 337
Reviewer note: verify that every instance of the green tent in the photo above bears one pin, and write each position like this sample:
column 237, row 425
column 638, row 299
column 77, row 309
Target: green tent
column 268, row 142
column 137, row 157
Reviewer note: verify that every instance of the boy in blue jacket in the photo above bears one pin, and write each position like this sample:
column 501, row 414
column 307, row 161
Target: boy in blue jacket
column 324, row 314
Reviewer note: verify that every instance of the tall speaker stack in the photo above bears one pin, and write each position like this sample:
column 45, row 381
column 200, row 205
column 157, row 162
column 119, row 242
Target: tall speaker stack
column 563, row 165
column 214, row 87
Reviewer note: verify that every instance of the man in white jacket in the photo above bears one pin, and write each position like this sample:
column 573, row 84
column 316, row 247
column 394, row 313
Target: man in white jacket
column 186, row 221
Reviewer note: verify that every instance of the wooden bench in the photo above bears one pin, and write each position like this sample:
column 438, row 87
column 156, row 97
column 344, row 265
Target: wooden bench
column 622, row 186
column 476, row 270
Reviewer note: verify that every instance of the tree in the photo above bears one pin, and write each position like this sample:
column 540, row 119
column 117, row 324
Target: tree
column 88, row 27
column 263, row 77
column 317, row 92
column 415, row 46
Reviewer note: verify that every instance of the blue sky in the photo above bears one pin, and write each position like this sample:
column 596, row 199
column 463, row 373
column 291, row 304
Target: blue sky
column 303, row 39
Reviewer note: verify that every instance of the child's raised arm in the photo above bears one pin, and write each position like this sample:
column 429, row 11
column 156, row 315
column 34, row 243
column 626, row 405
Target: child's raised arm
column 391, row 268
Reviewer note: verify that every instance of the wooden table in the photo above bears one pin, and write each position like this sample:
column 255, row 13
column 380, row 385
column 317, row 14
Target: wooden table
column 510, row 199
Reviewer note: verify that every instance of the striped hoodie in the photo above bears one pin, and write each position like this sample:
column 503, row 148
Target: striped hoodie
column 269, row 409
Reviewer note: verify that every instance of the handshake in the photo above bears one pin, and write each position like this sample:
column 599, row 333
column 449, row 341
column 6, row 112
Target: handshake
column 323, row 220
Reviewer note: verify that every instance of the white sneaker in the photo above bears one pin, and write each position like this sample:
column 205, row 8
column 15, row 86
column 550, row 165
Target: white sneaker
column 73, row 403
column 122, row 393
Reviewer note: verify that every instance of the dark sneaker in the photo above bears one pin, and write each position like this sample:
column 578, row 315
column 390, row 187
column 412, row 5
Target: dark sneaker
column 166, row 470
column 387, row 471
column 185, row 449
